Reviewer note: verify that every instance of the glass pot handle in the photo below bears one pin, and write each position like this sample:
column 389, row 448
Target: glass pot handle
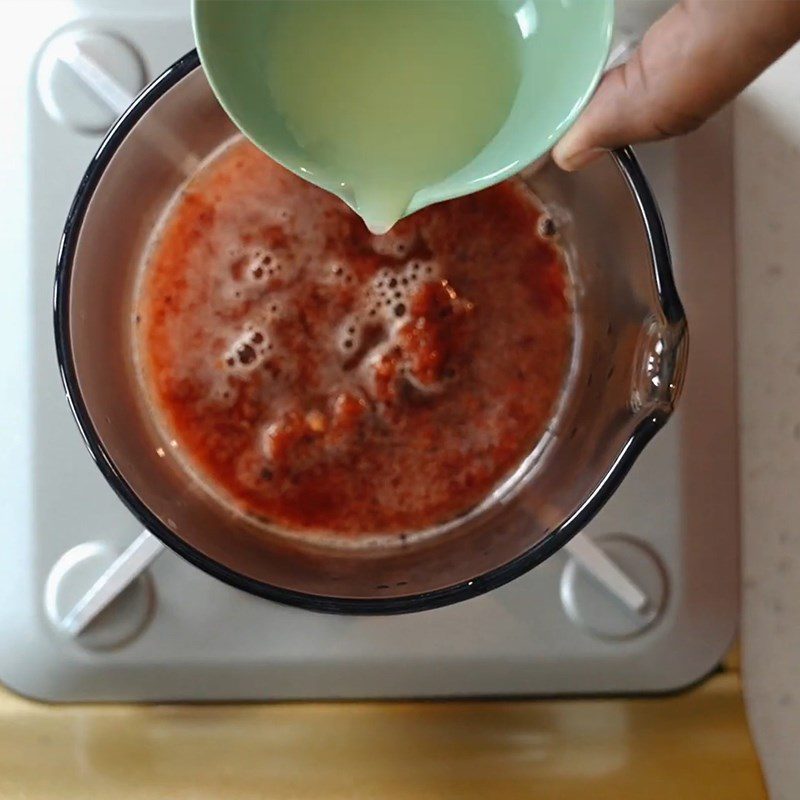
column 660, row 365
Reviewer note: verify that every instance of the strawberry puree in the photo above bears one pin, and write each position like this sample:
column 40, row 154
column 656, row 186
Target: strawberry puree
column 322, row 378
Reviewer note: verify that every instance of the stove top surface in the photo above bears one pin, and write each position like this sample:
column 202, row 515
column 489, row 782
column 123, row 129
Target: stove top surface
column 178, row 634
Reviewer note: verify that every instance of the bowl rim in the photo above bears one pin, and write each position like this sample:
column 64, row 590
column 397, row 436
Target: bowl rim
column 555, row 539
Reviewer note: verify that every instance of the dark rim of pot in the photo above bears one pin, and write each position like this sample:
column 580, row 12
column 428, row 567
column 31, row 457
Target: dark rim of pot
column 552, row 542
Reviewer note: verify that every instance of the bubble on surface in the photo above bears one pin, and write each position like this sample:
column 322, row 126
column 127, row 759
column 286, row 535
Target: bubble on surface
column 249, row 349
column 397, row 243
column 349, row 335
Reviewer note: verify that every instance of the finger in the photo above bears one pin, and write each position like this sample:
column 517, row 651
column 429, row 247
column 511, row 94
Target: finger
column 690, row 63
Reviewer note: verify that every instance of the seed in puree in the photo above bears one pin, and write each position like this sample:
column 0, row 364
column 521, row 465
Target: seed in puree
column 320, row 378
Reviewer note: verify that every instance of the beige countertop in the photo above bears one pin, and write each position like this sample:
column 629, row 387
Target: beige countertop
column 692, row 745
column 767, row 119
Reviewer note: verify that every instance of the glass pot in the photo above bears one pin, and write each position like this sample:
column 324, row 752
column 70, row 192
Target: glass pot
column 628, row 366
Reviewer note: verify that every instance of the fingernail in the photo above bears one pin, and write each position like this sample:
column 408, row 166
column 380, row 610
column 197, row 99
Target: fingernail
column 580, row 159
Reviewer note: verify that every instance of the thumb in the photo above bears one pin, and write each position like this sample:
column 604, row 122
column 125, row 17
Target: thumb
column 690, row 63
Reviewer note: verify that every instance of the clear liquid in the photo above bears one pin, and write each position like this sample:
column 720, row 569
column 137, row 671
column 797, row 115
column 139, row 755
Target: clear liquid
column 392, row 96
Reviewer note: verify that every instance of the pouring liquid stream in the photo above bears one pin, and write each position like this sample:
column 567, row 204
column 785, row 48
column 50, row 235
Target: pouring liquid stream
column 392, row 97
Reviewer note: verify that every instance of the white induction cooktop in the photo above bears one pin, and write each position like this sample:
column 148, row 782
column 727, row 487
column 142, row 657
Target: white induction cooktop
column 178, row 634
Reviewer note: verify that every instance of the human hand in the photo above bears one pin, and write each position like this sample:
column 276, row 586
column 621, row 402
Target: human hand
column 691, row 62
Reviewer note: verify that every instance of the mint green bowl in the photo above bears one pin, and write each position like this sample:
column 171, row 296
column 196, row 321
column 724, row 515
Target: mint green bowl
column 562, row 62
